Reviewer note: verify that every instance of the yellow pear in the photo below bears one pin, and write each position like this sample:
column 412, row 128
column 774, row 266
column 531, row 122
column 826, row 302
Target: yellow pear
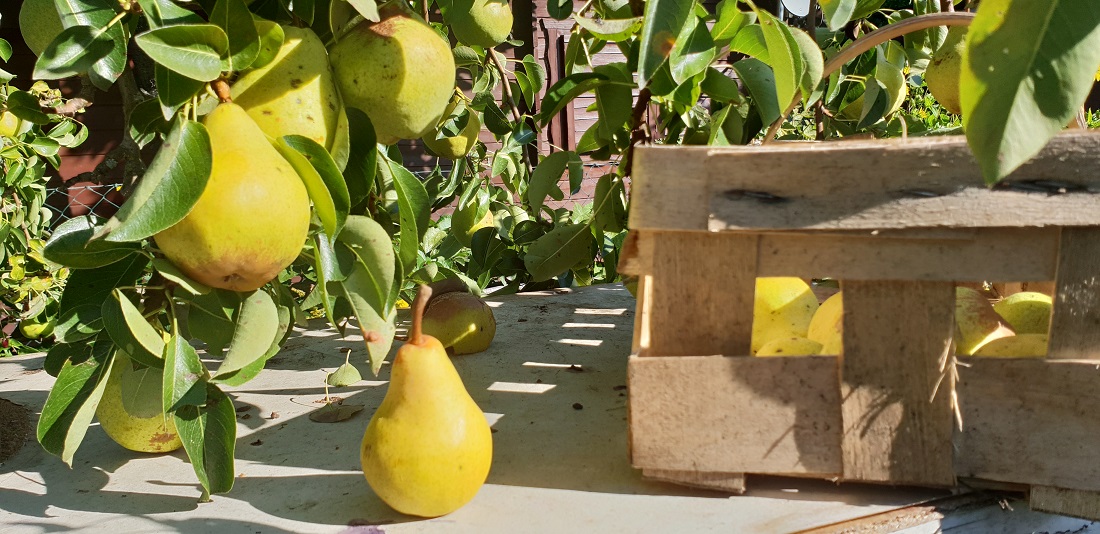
column 460, row 321
column 39, row 24
column 458, row 146
column 484, row 23
column 467, row 220
column 790, row 346
column 10, row 125
column 428, row 448
column 251, row 220
column 152, row 431
column 976, row 323
column 827, row 325
column 1027, row 312
column 296, row 93
column 782, row 308
column 398, row 71
column 1018, row 346
column 942, row 74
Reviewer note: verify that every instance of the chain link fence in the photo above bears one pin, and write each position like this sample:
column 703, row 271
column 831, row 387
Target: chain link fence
column 76, row 200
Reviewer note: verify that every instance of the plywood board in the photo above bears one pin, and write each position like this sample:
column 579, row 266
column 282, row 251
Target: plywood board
column 1075, row 323
column 731, row 482
column 895, row 335
column 1084, row 504
column 735, row 414
column 898, row 183
column 1030, row 421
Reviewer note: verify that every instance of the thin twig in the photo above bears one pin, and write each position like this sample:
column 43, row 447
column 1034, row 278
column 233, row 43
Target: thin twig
column 640, row 131
column 506, row 90
column 75, row 105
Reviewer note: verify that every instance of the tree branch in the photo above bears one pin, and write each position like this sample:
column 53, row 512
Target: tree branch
column 640, row 132
column 77, row 104
column 506, row 90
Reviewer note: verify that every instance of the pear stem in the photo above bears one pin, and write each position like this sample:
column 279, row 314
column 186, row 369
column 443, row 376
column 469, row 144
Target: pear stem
column 221, row 88
column 420, row 303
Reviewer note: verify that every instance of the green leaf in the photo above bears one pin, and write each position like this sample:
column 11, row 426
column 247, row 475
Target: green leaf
column 663, row 21
column 193, row 50
column 209, row 434
column 750, row 41
column 693, row 53
column 98, row 14
column 837, row 13
column 545, row 178
column 80, row 310
column 71, row 405
column 1028, row 68
column 609, row 212
column 760, row 81
column 72, row 52
column 172, row 184
column 130, row 331
column 363, row 159
column 171, row 273
column 257, row 323
column 367, row 8
column 613, row 30
column 233, row 17
column 558, row 251
column 720, row 87
column 875, row 101
column 559, row 9
column 72, row 245
column 166, row 13
column 27, row 107
column 343, row 376
column 730, row 21
column 211, row 318
column 184, row 376
column 140, row 389
column 413, row 207
column 377, row 330
column 332, row 187
column 174, row 90
column 783, row 57
column 374, row 249
column 564, row 91
column 5, row 50
column 271, row 36
column 813, row 64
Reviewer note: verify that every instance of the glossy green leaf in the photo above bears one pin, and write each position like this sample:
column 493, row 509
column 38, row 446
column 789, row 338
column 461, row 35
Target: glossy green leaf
column 5, row 50
column 209, row 434
column 414, row 210
column 720, row 87
column 211, row 317
column 27, row 107
column 663, row 21
column 335, row 189
column 166, row 13
column 271, row 36
column 813, row 64
column 130, row 331
column 374, row 249
column 140, row 389
column 783, row 57
column 363, row 158
column 377, row 330
column 71, row 405
column 545, row 178
column 172, row 273
column 98, row 14
column 558, row 251
column 559, row 9
column 837, row 13
column 750, row 41
column 172, row 184
column 193, row 50
column 760, row 81
column 184, row 375
column 72, row 245
column 233, row 17
column 609, row 212
column 1028, row 69
column 564, row 91
column 72, row 52
column 257, row 323
column 80, row 310
column 730, row 20
column 613, row 30
column 694, row 51
column 174, row 90
column 875, row 102
column 343, row 376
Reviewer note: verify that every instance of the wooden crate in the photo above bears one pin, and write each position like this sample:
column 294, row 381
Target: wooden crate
column 899, row 222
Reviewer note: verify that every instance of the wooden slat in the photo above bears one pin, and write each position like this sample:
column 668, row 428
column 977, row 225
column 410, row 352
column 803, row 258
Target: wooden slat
column 1083, row 504
column 895, row 334
column 1075, row 323
column 1030, row 421
column 735, row 414
column 699, row 300
column 898, row 183
column 731, row 482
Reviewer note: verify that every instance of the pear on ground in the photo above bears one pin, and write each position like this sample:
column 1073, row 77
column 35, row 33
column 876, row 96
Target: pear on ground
column 944, row 69
column 398, row 71
column 827, row 325
column 1027, row 312
column 782, row 308
column 976, row 323
column 461, row 322
column 484, row 23
column 1018, row 346
column 295, row 93
column 428, row 448
column 152, row 431
column 39, row 24
column 790, row 346
column 251, row 220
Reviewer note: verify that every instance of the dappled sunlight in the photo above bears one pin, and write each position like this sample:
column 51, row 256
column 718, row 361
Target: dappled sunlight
column 580, row 342
column 588, row 325
column 600, row 311
column 519, row 387
column 570, row 366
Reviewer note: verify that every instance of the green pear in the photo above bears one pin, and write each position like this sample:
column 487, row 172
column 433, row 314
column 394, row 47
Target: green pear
column 976, row 322
column 428, row 448
column 296, row 93
column 39, row 24
column 461, row 322
column 484, row 23
column 251, row 220
column 458, row 146
column 153, row 431
column 398, row 71
column 1018, row 346
column 467, row 220
column 942, row 74
column 1028, row 312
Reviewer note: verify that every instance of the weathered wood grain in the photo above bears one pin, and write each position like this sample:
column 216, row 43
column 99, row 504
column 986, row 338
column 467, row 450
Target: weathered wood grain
column 731, row 482
column 1074, row 503
column 1075, row 323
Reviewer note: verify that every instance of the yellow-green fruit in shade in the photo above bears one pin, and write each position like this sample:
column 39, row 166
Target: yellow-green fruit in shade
column 142, row 432
column 895, row 87
column 428, row 448
column 1027, row 312
column 34, row 330
column 251, row 220
column 976, row 323
column 461, row 322
column 398, row 71
column 467, row 220
column 39, row 24
column 790, row 346
column 1018, row 346
column 827, row 325
column 484, row 23
column 295, row 93
column 9, row 124
column 942, row 74
column 458, row 146
column 782, row 308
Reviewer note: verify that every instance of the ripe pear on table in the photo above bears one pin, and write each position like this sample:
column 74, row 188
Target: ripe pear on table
column 428, row 447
